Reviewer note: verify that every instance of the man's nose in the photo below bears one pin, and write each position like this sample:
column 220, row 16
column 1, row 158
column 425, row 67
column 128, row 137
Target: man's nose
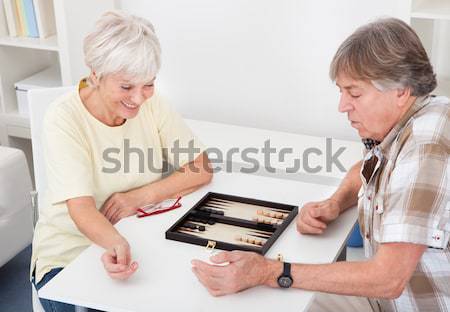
column 344, row 104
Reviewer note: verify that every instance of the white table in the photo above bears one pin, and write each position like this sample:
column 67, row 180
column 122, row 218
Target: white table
column 226, row 137
column 164, row 281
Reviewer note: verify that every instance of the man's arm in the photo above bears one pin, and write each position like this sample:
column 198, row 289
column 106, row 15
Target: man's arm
column 314, row 216
column 347, row 193
column 384, row 276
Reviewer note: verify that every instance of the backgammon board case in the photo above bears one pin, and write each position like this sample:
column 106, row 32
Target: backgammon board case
column 230, row 222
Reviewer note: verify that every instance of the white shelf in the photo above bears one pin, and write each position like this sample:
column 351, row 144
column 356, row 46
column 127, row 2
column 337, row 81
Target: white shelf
column 16, row 119
column 432, row 9
column 48, row 44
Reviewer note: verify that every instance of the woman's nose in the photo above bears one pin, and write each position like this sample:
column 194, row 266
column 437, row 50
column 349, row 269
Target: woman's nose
column 137, row 97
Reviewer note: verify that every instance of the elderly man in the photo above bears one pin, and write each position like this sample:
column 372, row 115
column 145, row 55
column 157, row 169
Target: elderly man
column 401, row 186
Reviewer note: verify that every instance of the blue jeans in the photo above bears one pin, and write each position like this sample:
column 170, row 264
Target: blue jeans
column 50, row 305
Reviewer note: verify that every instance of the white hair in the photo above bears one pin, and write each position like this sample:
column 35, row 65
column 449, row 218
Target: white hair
column 387, row 84
column 123, row 43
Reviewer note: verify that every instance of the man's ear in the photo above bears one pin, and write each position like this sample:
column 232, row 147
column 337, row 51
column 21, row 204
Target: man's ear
column 403, row 96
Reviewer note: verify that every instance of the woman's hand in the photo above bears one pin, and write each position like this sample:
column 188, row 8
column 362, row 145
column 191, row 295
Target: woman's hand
column 121, row 205
column 117, row 261
column 314, row 216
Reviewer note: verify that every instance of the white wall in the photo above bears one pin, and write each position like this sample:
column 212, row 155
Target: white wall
column 440, row 58
column 260, row 63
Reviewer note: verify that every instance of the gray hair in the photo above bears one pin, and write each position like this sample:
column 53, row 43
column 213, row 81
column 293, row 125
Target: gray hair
column 123, row 43
column 388, row 53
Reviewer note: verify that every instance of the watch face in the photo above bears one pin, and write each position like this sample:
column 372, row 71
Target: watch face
column 285, row 281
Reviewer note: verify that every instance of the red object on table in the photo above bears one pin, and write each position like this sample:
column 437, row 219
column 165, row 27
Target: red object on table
column 141, row 213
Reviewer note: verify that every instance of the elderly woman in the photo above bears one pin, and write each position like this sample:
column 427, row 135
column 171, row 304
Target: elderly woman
column 402, row 187
column 94, row 142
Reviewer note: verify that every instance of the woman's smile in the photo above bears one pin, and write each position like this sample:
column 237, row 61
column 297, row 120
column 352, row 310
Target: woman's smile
column 130, row 106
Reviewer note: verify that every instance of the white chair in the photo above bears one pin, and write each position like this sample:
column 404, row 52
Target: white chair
column 15, row 205
column 39, row 100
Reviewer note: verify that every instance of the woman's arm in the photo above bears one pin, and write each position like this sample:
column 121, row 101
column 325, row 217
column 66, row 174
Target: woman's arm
column 185, row 180
column 90, row 222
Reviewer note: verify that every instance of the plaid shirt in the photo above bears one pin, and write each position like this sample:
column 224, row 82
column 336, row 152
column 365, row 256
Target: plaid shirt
column 406, row 198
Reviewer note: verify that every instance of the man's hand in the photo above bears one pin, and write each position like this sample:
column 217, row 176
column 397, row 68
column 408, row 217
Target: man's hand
column 245, row 270
column 121, row 205
column 117, row 261
column 314, row 217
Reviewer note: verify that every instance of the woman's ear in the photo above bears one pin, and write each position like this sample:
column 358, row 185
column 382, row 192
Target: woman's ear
column 94, row 79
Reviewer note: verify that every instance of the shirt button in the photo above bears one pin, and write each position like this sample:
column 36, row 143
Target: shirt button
column 369, row 197
column 367, row 236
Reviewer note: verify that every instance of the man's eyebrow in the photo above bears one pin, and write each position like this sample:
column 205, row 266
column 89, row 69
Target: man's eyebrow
column 349, row 87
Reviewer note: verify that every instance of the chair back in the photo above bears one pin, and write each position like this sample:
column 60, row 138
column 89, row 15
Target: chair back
column 39, row 100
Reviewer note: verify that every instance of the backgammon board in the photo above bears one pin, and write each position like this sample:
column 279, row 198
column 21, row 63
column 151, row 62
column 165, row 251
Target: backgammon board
column 233, row 223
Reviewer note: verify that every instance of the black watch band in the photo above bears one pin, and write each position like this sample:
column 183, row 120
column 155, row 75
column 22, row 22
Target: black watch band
column 286, row 269
column 285, row 279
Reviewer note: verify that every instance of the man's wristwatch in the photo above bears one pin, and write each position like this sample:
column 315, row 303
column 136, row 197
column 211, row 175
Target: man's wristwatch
column 285, row 279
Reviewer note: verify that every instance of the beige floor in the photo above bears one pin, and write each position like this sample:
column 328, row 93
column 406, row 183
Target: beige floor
column 336, row 303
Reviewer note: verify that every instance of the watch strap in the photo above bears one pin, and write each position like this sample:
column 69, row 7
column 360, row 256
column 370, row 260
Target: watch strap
column 286, row 269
